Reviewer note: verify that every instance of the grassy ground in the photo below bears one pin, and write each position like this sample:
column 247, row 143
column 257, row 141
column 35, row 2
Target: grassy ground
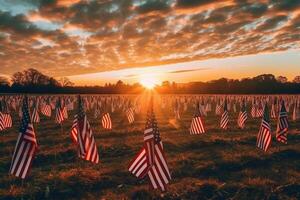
column 215, row 165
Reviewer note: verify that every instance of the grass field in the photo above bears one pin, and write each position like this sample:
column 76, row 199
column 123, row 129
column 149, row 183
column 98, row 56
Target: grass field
column 215, row 165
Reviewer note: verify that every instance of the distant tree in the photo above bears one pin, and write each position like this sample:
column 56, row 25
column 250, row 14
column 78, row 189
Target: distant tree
column 4, row 81
column 65, row 82
column 296, row 79
column 165, row 84
column 282, row 79
column 119, row 83
column 17, row 78
column 265, row 78
column 32, row 77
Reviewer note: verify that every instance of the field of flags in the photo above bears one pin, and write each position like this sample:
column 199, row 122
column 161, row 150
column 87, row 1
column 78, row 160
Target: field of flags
column 149, row 146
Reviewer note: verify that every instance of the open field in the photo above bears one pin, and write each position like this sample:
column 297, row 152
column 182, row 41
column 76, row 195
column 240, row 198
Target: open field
column 216, row 165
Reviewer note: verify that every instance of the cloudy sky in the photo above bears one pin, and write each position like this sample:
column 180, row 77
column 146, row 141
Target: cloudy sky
column 181, row 40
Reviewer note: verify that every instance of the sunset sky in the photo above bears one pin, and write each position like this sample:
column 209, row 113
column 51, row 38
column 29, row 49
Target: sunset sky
column 94, row 42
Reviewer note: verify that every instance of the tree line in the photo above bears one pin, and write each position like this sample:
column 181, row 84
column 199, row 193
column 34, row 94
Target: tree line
column 33, row 81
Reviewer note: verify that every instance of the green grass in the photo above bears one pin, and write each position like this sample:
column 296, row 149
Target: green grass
column 215, row 165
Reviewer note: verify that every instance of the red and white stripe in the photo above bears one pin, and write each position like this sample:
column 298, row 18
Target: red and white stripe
column 106, row 121
column 24, row 153
column 197, row 126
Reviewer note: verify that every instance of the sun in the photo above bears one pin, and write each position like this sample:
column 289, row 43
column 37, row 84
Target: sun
column 148, row 82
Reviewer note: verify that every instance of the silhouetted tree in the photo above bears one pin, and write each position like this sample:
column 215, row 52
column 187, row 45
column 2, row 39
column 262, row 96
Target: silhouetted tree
column 4, row 81
column 282, row 79
column 32, row 77
column 296, row 79
column 65, row 82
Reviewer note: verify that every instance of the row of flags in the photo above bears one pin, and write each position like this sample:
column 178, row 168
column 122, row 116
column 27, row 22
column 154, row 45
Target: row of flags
column 264, row 134
column 150, row 161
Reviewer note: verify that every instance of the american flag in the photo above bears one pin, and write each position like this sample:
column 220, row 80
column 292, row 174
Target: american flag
column 97, row 111
column 282, row 125
column 106, row 121
column 74, row 130
column 218, row 109
column 35, row 117
column 84, row 136
column 242, row 116
column 130, row 115
column 224, row 117
column 273, row 110
column 5, row 117
column 46, row 110
column 59, row 114
column 197, row 126
column 7, row 120
column 151, row 160
column 2, row 123
column 177, row 110
column 26, row 145
column 2, row 126
column 65, row 112
column 260, row 110
column 264, row 135
column 253, row 110
column 295, row 113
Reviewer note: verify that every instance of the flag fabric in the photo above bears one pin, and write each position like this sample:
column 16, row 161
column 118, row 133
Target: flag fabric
column 2, row 126
column 35, row 117
column 26, row 145
column 273, row 110
column 197, row 126
column 59, row 114
column 46, row 110
column 264, row 135
column 106, row 121
column 224, row 117
column 253, row 110
column 97, row 111
column 242, row 117
column 260, row 110
column 139, row 166
column 130, row 115
column 74, row 130
column 65, row 112
column 295, row 113
column 7, row 120
column 87, row 148
column 282, row 125
column 218, row 109
column 151, row 160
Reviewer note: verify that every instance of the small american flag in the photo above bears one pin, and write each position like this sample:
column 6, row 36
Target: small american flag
column 253, row 110
column 2, row 126
column 151, row 160
column 7, row 120
column 59, row 114
column 130, row 115
column 197, row 126
column 224, row 117
column 282, row 125
column 264, row 135
column 74, row 131
column 35, row 117
column 218, row 109
column 242, row 116
column 273, row 110
column 83, row 136
column 46, row 110
column 106, row 121
column 26, row 145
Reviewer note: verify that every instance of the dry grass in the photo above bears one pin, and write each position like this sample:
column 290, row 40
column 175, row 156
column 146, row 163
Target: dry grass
column 216, row 165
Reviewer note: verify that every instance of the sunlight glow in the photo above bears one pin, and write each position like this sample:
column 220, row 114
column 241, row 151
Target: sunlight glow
column 148, row 82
